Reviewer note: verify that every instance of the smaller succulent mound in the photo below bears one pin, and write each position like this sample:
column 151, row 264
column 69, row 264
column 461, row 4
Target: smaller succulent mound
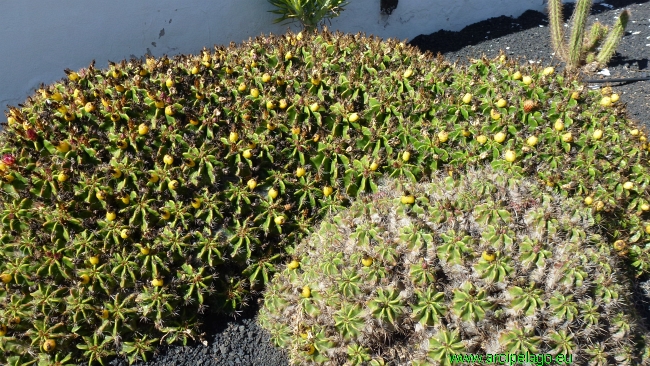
column 485, row 264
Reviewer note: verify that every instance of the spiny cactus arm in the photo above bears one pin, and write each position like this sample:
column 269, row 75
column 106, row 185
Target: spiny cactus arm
column 596, row 34
column 557, row 30
column 613, row 38
column 577, row 32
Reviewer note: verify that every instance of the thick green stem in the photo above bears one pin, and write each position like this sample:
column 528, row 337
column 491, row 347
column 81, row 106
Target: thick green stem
column 557, row 27
column 613, row 38
column 577, row 32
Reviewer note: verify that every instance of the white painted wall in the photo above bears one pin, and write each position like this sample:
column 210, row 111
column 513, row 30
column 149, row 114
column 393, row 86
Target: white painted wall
column 40, row 38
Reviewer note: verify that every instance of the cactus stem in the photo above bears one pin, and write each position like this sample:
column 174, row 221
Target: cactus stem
column 613, row 38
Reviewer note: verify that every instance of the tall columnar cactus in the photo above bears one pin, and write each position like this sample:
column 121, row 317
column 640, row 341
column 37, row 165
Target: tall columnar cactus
column 581, row 49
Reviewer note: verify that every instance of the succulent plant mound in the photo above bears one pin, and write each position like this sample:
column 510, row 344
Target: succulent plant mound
column 137, row 197
column 484, row 264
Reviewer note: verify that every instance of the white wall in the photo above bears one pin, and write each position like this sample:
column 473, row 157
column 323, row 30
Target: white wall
column 40, row 38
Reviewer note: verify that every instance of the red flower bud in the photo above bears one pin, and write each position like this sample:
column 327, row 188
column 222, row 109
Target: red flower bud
column 31, row 134
column 9, row 159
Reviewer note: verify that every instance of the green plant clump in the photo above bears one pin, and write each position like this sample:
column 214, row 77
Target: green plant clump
column 485, row 264
column 136, row 198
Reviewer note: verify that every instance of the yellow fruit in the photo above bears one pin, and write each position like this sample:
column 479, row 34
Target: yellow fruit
column 153, row 178
column 116, row 173
column 271, row 126
column 614, row 98
column 169, row 110
column 443, row 136
column 306, row 292
column 310, row 349
column 606, row 102
column 366, row 261
column 194, row 121
column 110, row 215
column 567, row 137
column 295, row 130
column 406, row 156
column 49, row 345
column 234, row 136
column 575, row 95
column 251, row 184
column 467, row 98
column 559, row 125
column 481, row 139
column 327, row 190
column 466, row 133
column 172, row 185
column 62, row 177
column 548, row 71
column 168, row 160
column 241, row 87
column 279, row 81
column 143, row 129
column 532, row 141
column 599, row 205
column 315, row 81
column 598, row 134
column 270, row 105
column 628, row 185
column 199, row 95
column 495, row 115
column 288, row 56
column 57, row 96
column 165, row 214
column 283, row 104
column 501, row 103
column 516, row 75
column 374, row 166
column 634, row 132
column 647, row 229
column 314, row 107
column 100, row 195
column 294, row 264
column 407, row 200
column 125, row 233
column 159, row 104
column 63, row 147
column 120, row 88
column 3, row 330
column 157, row 282
column 89, row 107
column 316, row 138
column 300, row 172
column 125, row 199
column 247, row 154
column 195, row 70
column 6, row 277
column 84, row 278
column 255, row 92
column 619, row 245
column 169, row 82
column 94, row 260
column 266, row 78
column 104, row 314
column 488, row 256
column 273, row 193
column 145, row 250
column 11, row 121
column 510, row 156
column 500, row 137
column 645, row 207
column 279, row 220
column 588, row 200
column 408, row 73
column 353, row 117
column 9, row 178
column 73, row 76
column 527, row 80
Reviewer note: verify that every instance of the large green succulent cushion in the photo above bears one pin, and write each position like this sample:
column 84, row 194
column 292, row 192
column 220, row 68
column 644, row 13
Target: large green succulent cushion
column 483, row 264
column 153, row 190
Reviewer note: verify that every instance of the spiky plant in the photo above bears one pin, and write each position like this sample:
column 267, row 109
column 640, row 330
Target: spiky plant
column 582, row 47
column 180, row 184
column 531, row 273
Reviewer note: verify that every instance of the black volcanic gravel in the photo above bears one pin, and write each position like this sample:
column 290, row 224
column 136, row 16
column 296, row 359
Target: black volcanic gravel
column 241, row 342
